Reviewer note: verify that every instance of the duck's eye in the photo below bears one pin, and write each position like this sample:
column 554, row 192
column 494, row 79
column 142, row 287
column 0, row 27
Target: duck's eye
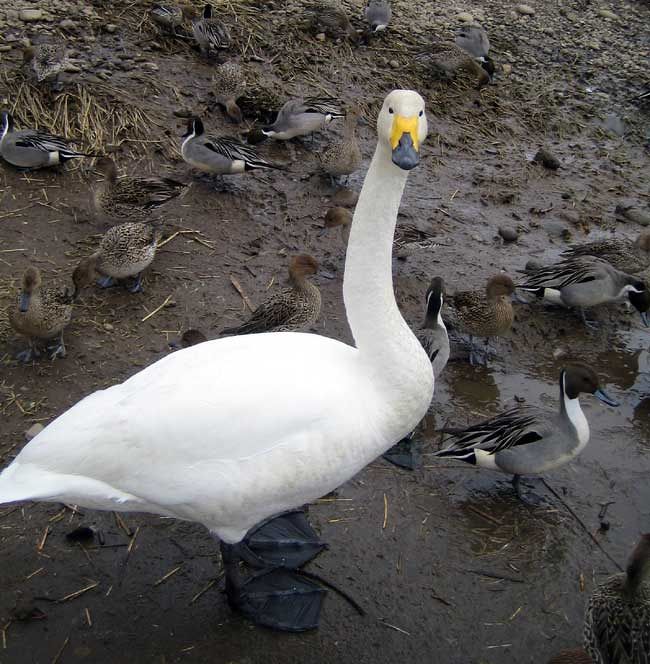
column 390, row 110
column 421, row 113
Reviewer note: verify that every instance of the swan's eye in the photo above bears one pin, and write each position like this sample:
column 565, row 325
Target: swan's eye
column 421, row 113
column 390, row 110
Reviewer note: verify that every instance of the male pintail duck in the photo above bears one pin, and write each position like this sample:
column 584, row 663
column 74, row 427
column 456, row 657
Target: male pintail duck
column 378, row 14
column 625, row 255
column 229, row 85
column 218, row 154
column 433, row 332
column 30, row 148
column 585, row 281
column 617, row 619
column 291, row 309
column 299, row 117
column 168, row 17
column 330, row 19
column 210, row 33
column 46, row 62
column 207, row 434
column 343, row 156
column 41, row 314
column 131, row 198
column 528, row 440
column 474, row 40
column 124, row 251
column 484, row 314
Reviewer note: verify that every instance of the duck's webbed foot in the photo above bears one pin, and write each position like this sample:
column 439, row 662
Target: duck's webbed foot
column 530, row 498
column 136, row 287
column 57, row 349
column 28, row 354
column 404, row 454
column 106, row 282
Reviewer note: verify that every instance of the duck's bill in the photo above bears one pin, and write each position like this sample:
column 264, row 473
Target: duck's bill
column 23, row 303
column 404, row 142
column 605, row 398
column 644, row 317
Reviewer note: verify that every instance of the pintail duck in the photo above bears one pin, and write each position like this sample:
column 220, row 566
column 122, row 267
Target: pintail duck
column 585, row 281
column 343, row 156
column 46, row 62
column 219, row 154
column 433, row 332
column 329, row 18
column 378, row 14
column 168, row 17
column 573, row 656
column 621, row 253
column 30, row 148
column 474, row 40
column 125, row 251
column 229, row 86
column 299, row 117
column 209, row 32
column 40, row 314
column 484, row 314
column 449, row 59
column 131, row 198
column 528, row 440
column 617, row 619
column 291, row 309
column 243, row 466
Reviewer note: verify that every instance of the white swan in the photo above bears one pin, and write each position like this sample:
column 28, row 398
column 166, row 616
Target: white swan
column 218, row 433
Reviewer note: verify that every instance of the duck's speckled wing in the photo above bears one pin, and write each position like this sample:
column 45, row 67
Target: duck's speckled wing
column 147, row 192
column 514, row 427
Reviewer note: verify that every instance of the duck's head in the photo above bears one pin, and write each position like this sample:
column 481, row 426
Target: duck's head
column 643, row 241
column 488, row 65
column 434, row 298
column 639, row 297
column 402, row 126
column 638, row 566
column 84, row 274
column 31, row 281
column 106, row 166
column 194, row 127
column 29, row 53
column 189, row 338
column 500, row 285
column 579, row 379
column 6, row 123
column 336, row 216
column 302, row 266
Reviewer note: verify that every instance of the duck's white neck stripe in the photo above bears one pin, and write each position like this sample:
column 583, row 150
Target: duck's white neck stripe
column 576, row 416
column 5, row 128
column 189, row 138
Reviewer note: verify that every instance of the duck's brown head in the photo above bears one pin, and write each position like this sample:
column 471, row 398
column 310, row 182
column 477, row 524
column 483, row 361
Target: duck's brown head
column 84, row 274
column 338, row 216
column 31, row 282
column 498, row 285
column 106, row 166
column 643, row 241
column 29, row 53
column 638, row 566
column 302, row 266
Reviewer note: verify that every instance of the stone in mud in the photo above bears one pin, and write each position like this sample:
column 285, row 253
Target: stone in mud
column 508, row 234
column 465, row 17
column 605, row 13
column 30, row 15
column 633, row 213
column 547, row 159
column 525, row 10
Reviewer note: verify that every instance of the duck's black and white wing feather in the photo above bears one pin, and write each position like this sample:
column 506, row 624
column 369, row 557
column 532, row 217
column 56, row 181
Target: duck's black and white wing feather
column 235, row 150
column 565, row 273
column 44, row 142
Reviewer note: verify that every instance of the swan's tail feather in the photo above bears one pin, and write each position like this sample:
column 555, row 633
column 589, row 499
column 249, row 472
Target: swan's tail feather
column 17, row 485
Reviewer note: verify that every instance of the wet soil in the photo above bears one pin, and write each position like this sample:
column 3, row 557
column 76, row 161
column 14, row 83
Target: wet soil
column 447, row 564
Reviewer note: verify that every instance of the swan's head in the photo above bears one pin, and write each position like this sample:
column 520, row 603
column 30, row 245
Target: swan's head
column 302, row 266
column 402, row 124
column 31, row 281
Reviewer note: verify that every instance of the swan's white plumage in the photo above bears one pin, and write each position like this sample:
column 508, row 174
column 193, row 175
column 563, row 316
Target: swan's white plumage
column 231, row 431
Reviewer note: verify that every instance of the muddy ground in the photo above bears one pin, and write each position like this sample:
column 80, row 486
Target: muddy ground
column 447, row 564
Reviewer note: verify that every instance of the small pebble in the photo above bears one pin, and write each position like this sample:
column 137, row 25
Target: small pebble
column 29, row 15
column 33, row 431
column 506, row 69
column 605, row 13
column 320, row 36
column 465, row 17
column 547, row 159
column 111, row 28
column 508, row 234
column 525, row 10
column 108, row 327
column 67, row 24
column 559, row 353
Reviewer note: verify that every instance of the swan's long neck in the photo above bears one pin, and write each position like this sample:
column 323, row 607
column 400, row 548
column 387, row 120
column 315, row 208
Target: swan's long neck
column 392, row 352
